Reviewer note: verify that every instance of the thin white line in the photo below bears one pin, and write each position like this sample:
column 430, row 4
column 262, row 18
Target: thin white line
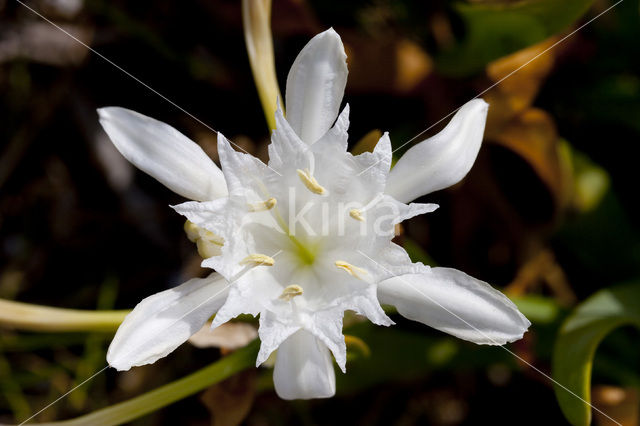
column 205, row 301
column 179, row 319
column 91, row 49
column 148, row 340
column 501, row 80
column 76, row 387
column 490, row 339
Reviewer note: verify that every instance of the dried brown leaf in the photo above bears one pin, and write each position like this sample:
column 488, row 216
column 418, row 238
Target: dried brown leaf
column 229, row 336
column 618, row 403
column 42, row 42
column 230, row 401
column 516, row 89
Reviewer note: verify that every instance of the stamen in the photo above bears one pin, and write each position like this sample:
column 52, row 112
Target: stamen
column 310, row 182
column 356, row 214
column 192, row 231
column 212, row 238
column 208, row 243
column 352, row 270
column 262, row 206
column 290, row 292
column 258, row 259
column 207, row 249
column 312, row 163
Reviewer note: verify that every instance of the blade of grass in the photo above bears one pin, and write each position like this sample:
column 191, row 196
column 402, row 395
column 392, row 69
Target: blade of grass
column 151, row 401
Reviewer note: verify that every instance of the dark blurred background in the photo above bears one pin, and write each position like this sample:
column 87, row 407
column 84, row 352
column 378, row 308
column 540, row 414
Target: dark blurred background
column 549, row 212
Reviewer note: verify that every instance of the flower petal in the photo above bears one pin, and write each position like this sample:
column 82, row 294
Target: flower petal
column 443, row 159
column 242, row 171
column 210, row 215
column 315, row 86
column 273, row 331
column 286, row 147
column 336, row 138
column 369, row 170
column 327, row 327
column 452, row 301
column 162, row 322
column 304, row 369
column 164, row 153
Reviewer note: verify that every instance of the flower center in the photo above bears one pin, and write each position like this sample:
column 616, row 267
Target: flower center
column 306, row 254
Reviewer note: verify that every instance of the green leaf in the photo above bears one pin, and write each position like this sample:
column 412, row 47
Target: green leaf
column 416, row 252
column 538, row 309
column 495, row 30
column 578, row 339
column 402, row 355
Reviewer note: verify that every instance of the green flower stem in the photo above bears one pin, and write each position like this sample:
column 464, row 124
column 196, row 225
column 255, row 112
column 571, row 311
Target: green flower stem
column 256, row 21
column 151, row 401
column 25, row 316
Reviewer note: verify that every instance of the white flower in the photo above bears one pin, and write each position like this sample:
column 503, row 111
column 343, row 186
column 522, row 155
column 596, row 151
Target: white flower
column 303, row 239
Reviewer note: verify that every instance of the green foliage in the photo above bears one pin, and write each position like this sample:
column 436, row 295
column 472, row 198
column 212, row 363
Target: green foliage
column 149, row 402
column 603, row 242
column 495, row 30
column 578, row 339
column 538, row 309
column 417, row 253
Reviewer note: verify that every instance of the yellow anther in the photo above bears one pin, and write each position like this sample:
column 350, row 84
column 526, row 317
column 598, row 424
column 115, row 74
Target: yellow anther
column 356, row 214
column 207, row 249
column 290, row 292
column 310, row 182
column 208, row 243
column 258, row 259
column 192, row 230
column 262, row 206
column 354, row 271
column 212, row 238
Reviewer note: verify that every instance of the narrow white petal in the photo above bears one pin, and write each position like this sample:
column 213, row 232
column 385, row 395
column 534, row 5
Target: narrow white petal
column 372, row 168
column 382, row 154
column 273, row 331
column 210, row 215
column 337, row 137
column 162, row 322
column 164, row 153
column 242, row 171
column 366, row 303
column 286, row 147
column 315, row 86
column 327, row 327
column 454, row 302
column 304, row 369
column 442, row 160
